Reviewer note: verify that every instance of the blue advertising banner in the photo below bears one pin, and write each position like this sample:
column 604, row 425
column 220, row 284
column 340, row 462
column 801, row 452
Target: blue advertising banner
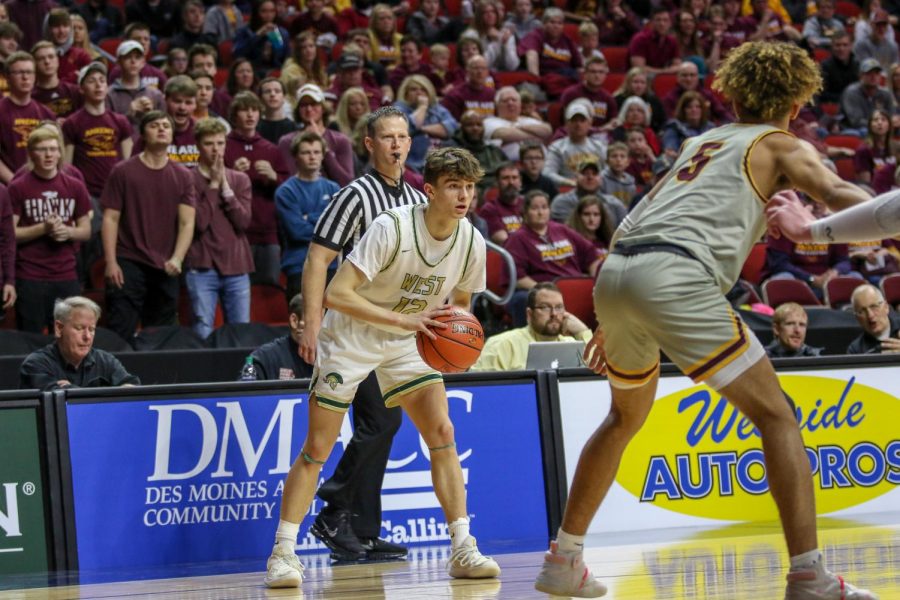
column 165, row 481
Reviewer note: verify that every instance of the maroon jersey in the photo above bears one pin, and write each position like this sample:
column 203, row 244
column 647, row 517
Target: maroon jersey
column 148, row 200
column 183, row 149
column 658, row 50
column 605, row 108
column 97, row 141
column 63, row 100
column 499, row 216
column 553, row 55
column 16, row 122
column 464, row 97
column 7, row 240
column 560, row 252
column 263, row 228
column 71, row 62
column 34, row 199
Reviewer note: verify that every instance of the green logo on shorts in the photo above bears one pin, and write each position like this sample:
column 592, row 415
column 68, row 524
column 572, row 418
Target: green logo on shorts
column 333, row 379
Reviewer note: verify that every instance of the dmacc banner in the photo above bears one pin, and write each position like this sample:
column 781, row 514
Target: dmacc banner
column 164, row 481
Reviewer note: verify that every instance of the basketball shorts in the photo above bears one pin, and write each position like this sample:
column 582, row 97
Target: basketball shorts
column 659, row 300
column 350, row 349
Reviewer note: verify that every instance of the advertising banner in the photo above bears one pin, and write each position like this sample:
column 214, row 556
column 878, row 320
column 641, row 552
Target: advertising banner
column 23, row 535
column 698, row 461
column 162, row 481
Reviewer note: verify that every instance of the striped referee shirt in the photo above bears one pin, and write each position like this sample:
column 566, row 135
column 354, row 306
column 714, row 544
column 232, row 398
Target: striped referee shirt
column 352, row 210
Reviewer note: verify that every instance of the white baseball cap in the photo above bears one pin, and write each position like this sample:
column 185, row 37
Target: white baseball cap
column 128, row 47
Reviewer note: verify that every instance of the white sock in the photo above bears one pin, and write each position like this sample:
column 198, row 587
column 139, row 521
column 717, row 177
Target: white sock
column 566, row 542
column 459, row 531
column 286, row 534
column 805, row 560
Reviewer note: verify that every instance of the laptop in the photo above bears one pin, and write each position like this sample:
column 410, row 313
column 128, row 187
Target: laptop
column 554, row 355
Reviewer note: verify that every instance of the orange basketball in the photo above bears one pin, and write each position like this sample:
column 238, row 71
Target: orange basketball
column 457, row 347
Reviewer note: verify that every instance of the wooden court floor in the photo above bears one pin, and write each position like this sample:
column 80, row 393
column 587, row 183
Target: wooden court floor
column 735, row 563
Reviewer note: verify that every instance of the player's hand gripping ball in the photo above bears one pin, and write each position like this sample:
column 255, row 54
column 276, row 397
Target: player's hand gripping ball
column 457, row 347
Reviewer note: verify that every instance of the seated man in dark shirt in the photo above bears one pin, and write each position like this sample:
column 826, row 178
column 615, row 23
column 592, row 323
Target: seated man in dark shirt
column 881, row 327
column 280, row 359
column 789, row 326
column 72, row 361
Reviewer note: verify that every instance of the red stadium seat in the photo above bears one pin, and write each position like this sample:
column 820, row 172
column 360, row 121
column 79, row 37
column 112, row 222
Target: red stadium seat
column 578, row 294
column 110, row 45
column 613, row 81
column 846, row 168
column 225, row 51
column 221, row 77
column 839, row 289
column 663, row 83
column 570, row 30
column 268, row 304
column 830, row 108
column 555, row 114
column 497, row 280
column 820, row 54
column 514, row 78
column 778, row 291
column 453, row 7
column 890, row 287
column 753, row 266
column 849, row 10
column 616, row 58
column 844, row 141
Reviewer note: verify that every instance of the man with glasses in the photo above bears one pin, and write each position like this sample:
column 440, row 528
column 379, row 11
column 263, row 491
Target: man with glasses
column 881, row 327
column 19, row 114
column 603, row 106
column 548, row 321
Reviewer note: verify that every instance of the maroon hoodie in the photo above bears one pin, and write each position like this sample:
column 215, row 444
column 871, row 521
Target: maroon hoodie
column 263, row 227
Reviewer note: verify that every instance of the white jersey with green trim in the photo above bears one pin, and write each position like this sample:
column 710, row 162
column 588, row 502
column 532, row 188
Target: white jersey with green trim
column 709, row 206
column 408, row 271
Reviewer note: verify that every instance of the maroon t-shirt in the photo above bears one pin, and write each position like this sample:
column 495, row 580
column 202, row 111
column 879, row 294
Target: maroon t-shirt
column 33, row 199
column 63, row 100
column 605, row 108
column 464, row 97
column 148, row 200
column 71, row 62
column 182, row 151
column 97, row 141
column 560, row 252
column 808, row 257
column 500, row 216
column 658, row 50
column 553, row 55
column 641, row 169
column 7, row 240
column 150, row 76
column 263, row 227
column 16, row 122
column 868, row 159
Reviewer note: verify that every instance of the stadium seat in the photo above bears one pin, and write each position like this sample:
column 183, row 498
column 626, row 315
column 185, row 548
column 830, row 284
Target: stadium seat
column 753, row 266
column 664, row 83
column 848, row 10
column 268, row 304
column 778, row 291
column 221, row 77
column 453, row 7
column 555, row 114
column 226, row 48
column 846, row 168
column 616, row 58
column 110, row 45
column 613, row 81
column 497, row 280
column 844, row 141
column 514, row 78
column 570, row 30
column 830, row 108
column 890, row 287
column 821, row 54
column 578, row 293
column 839, row 289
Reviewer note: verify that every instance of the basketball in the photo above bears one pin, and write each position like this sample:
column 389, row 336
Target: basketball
column 457, row 347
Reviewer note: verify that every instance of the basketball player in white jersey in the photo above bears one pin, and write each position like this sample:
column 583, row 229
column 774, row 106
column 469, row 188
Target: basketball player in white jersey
column 663, row 286
column 394, row 283
column 875, row 220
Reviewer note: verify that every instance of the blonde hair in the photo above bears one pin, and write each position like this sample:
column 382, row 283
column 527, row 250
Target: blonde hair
column 767, row 79
column 422, row 82
column 785, row 310
column 342, row 118
column 43, row 133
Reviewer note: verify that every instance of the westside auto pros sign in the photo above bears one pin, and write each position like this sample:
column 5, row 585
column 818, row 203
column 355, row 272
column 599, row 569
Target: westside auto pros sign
column 165, row 481
column 698, row 461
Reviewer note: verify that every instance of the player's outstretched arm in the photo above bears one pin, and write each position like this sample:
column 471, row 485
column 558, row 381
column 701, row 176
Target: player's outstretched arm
column 873, row 220
column 800, row 164
column 342, row 296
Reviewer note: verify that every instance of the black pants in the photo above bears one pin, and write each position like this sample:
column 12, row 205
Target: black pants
column 149, row 297
column 35, row 300
column 356, row 483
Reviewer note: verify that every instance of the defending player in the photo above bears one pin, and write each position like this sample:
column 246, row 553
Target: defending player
column 663, row 287
column 392, row 285
column 873, row 220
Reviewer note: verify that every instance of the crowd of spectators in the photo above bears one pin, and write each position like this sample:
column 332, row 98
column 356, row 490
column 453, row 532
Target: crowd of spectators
column 197, row 143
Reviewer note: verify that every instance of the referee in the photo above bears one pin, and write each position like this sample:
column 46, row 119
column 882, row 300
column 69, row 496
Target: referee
column 351, row 521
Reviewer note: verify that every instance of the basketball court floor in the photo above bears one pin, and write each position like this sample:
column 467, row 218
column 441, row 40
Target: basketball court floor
column 733, row 563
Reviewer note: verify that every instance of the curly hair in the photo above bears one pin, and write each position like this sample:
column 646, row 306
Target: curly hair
column 457, row 163
column 766, row 79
